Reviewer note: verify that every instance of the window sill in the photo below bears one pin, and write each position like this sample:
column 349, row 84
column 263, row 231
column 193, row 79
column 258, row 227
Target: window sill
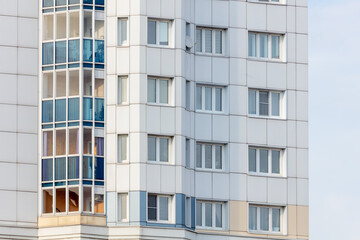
column 211, row 112
column 123, row 46
column 265, row 2
column 211, row 170
column 209, row 229
column 272, row 60
column 159, row 163
column 266, row 233
column 159, row 46
column 266, row 175
column 209, row 54
column 266, row 117
column 159, row 105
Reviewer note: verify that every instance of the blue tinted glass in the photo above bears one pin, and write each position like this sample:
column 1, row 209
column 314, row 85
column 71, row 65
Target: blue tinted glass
column 74, row 109
column 99, row 110
column 87, row 167
column 74, row 1
column 88, row 50
column 60, row 52
column 99, row 8
column 88, row 1
column 99, row 51
column 60, row 168
column 48, row 3
column 73, row 168
column 47, row 111
column 99, row 168
column 47, row 53
column 74, row 50
column 60, row 110
column 88, row 108
column 47, row 170
column 99, row 2
column 60, row 2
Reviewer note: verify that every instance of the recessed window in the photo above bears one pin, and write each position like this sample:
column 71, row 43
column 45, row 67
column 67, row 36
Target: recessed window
column 158, row 32
column 265, row 103
column 265, row 46
column 122, row 207
column 188, row 212
column 265, row 219
column 159, row 208
column 158, row 90
column 122, row 90
column 210, row 40
column 122, row 148
column 209, row 156
column 209, row 98
column 187, row 95
column 265, row 161
column 158, row 149
column 122, row 31
column 210, row 215
column 187, row 150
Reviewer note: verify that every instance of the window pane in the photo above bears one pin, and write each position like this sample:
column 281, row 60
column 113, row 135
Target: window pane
column 73, row 168
column 164, row 208
column 73, row 199
column 48, row 27
column 187, row 95
column 60, row 110
column 252, row 45
column 87, row 199
column 218, row 99
column 152, row 149
column 151, row 90
column 87, row 24
column 123, row 206
column 99, row 146
column 218, row 215
column 208, row 214
column 198, row 214
column 122, row 90
column 88, row 82
column 275, row 161
column 60, row 84
column 208, row 41
column 88, row 109
column 47, row 170
column 187, row 149
column 74, row 83
column 88, row 50
column 198, row 46
column 218, row 41
column 74, row 50
column 60, row 168
column 276, row 219
column 99, row 87
column 99, row 168
column 60, row 2
column 164, row 149
column 60, row 52
column 74, row 141
column 151, row 32
column 264, row 103
column 218, row 157
column 199, row 98
column 164, row 38
column 252, row 218
column 48, row 3
column 60, row 25
column 47, row 53
column 99, row 29
column 188, row 29
column 122, row 146
column 252, row 160
column 99, row 109
column 208, row 156
column 47, row 111
column 275, row 47
column 164, row 89
column 74, row 25
column 263, row 45
column 275, row 104
column 208, row 98
column 60, row 200
column 48, row 201
column 87, row 149
column 87, row 167
column 252, row 102
column 264, row 161
column 264, row 219
column 60, row 142
column 99, row 51
column 48, row 85
column 99, row 203
column 122, row 31
column 47, row 143
column 152, row 208
column 198, row 155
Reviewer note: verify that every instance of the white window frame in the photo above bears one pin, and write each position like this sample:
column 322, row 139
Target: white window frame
column 119, row 90
column 213, row 41
column 283, row 219
column 158, row 149
column 213, row 157
column 269, row 48
column 213, row 216
column 170, row 27
column 157, row 91
column 269, row 1
column 213, row 98
column 170, row 208
column 119, row 150
column 282, row 104
column 119, row 205
column 126, row 43
column 282, row 162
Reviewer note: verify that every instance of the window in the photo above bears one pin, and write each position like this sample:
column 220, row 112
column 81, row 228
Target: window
column 210, row 215
column 159, row 208
column 48, row 85
column 158, row 149
column 187, row 150
column 209, row 40
column 266, row 46
column 158, row 91
column 158, row 32
column 209, row 156
column 188, row 212
column 48, row 30
column 265, row 219
column 265, row 161
column 88, row 24
column 265, row 103
column 122, row 148
column 122, row 31
column 187, row 95
column 122, row 207
column 74, row 26
column 122, row 90
column 209, row 98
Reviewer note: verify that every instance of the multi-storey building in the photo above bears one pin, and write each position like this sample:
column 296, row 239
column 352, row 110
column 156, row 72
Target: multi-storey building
column 154, row 119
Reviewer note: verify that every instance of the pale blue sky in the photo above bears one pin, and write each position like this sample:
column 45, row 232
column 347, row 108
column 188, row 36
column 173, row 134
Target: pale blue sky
column 334, row 115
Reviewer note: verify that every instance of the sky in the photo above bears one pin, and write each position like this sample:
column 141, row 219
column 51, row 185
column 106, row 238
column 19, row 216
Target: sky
column 334, row 119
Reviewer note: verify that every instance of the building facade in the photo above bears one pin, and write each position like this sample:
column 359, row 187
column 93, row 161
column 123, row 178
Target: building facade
column 154, row 119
